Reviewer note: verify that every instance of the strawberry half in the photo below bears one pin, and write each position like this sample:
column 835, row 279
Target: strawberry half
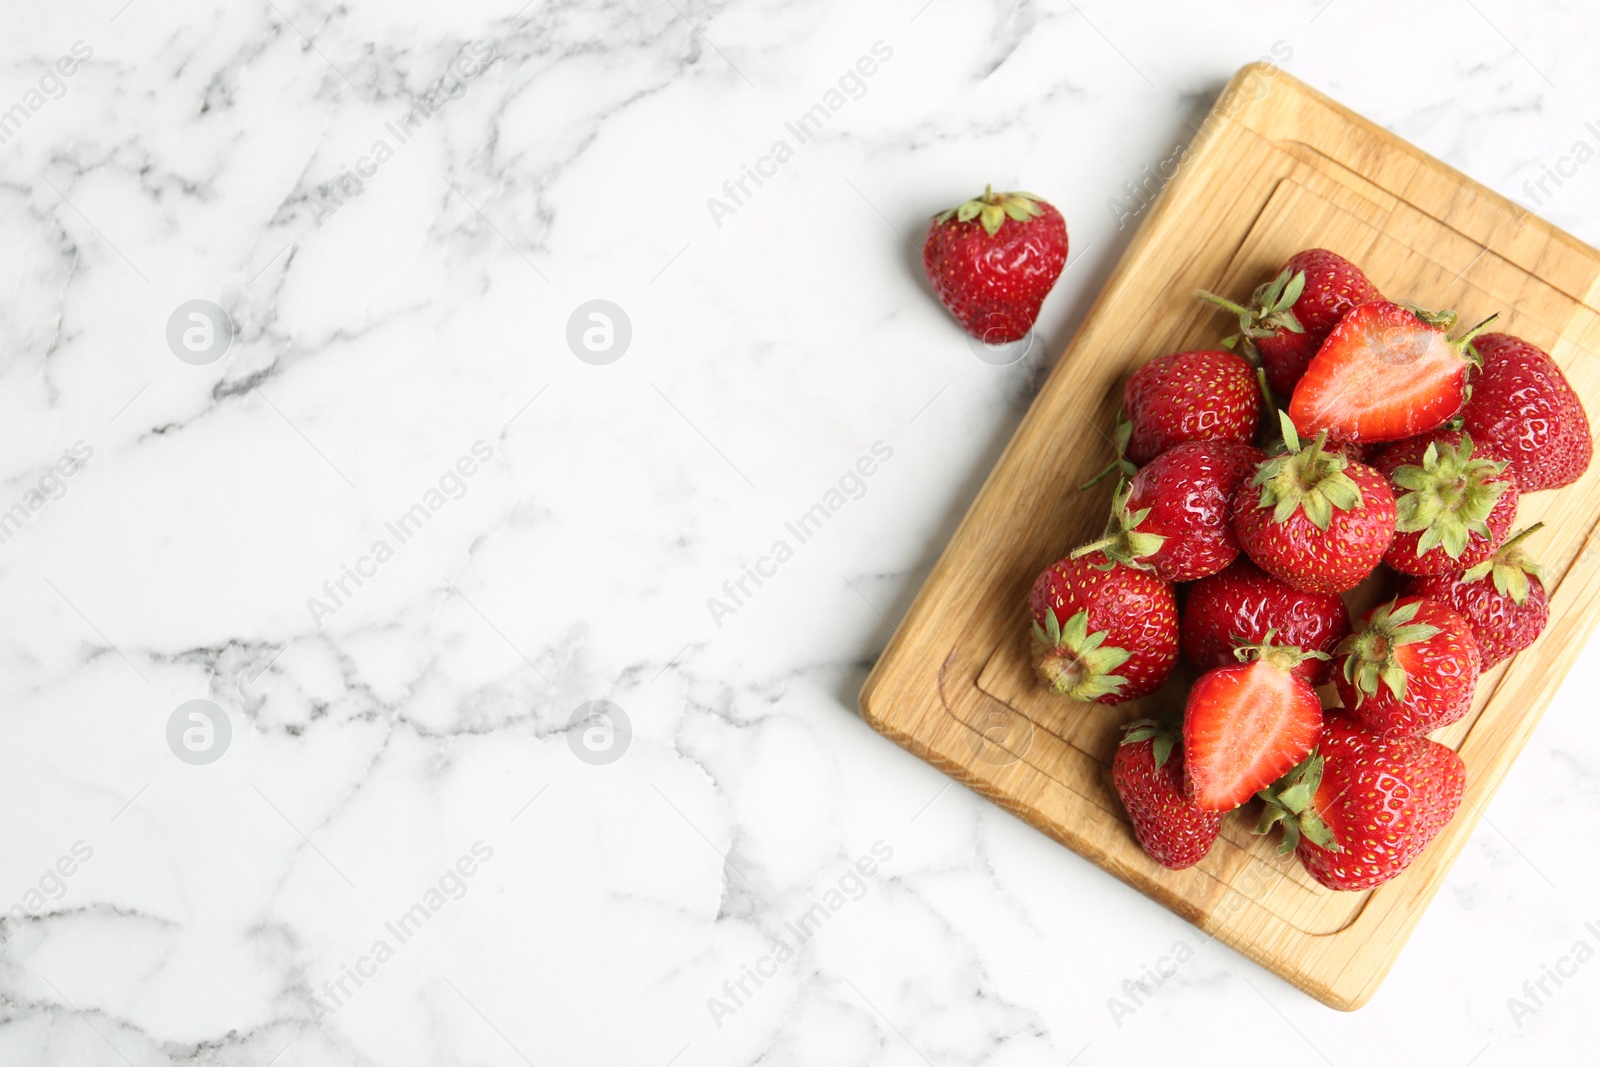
column 1503, row 599
column 1244, row 726
column 1290, row 316
column 993, row 260
column 1243, row 604
column 1313, row 518
column 1385, row 373
column 1147, row 772
column 1102, row 631
column 1410, row 666
column 1454, row 502
column 1525, row 408
column 1176, row 516
column 1363, row 807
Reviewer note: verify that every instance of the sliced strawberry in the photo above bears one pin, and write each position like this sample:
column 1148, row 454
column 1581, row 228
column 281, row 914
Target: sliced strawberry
column 1246, row 726
column 1385, row 373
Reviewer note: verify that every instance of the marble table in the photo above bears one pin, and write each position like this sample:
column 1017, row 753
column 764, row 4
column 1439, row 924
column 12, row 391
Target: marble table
column 403, row 404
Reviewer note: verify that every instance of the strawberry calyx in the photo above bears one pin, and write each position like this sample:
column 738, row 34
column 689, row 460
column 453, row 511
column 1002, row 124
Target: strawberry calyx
column 1164, row 735
column 1509, row 567
column 1283, row 657
column 1120, row 436
column 1123, row 541
column 1077, row 663
column 1288, row 803
column 1307, row 479
column 1371, row 653
column 1450, row 495
column 1446, row 321
column 1271, row 309
column 992, row 209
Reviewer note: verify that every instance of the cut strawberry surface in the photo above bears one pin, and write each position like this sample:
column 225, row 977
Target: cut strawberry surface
column 1246, row 726
column 1385, row 373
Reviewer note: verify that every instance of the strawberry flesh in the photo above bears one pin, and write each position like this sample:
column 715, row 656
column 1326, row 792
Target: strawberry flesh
column 1244, row 727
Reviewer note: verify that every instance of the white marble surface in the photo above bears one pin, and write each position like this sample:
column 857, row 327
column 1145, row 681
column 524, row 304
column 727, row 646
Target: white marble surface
column 197, row 155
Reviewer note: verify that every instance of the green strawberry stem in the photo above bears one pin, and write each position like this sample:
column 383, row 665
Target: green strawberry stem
column 1308, row 480
column 1166, row 734
column 1288, row 802
column 1450, row 496
column 1371, row 652
column 1120, row 436
column 1283, row 657
column 1123, row 542
column 992, row 209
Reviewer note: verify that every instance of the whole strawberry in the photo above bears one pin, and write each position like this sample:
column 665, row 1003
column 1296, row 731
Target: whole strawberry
column 1385, row 373
column 1362, row 808
column 1147, row 772
column 993, row 260
column 1454, row 502
column 1290, row 316
column 1243, row 604
column 1503, row 599
column 1102, row 630
column 1176, row 516
column 1409, row 667
column 1189, row 396
column 1313, row 518
column 1523, row 406
column 1247, row 725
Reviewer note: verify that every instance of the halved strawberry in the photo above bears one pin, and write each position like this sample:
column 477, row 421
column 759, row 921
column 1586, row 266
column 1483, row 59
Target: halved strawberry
column 1385, row 373
column 1246, row 726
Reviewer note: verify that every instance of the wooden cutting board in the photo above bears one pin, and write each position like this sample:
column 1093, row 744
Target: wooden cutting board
column 1276, row 167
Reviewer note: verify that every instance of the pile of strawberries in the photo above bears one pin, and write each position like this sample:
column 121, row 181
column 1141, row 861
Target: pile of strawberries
column 1401, row 449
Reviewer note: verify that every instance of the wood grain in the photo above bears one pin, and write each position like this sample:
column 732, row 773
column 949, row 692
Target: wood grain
column 1276, row 167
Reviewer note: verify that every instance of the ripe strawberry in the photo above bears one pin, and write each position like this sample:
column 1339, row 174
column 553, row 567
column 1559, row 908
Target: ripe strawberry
column 1502, row 599
column 1243, row 604
column 1246, row 725
column 993, row 260
column 1176, row 516
column 1364, row 806
column 1314, row 519
column 1454, row 502
column 1410, row 667
column 1523, row 406
column 1147, row 771
column 1189, row 396
column 1103, row 631
column 1385, row 373
column 1290, row 316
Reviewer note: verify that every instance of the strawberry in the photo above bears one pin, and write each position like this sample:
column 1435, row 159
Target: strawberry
column 1102, row 631
column 1147, row 771
column 1409, row 667
column 1385, row 373
column 1314, row 519
column 1290, row 316
column 1242, row 604
column 1502, row 599
column 1188, row 396
column 1453, row 502
column 993, row 260
column 1364, row 806
column 1524, row 407
column 1176, row 516
column 1246, row 725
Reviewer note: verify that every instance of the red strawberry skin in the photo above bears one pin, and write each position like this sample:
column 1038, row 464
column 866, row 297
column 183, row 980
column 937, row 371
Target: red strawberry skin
column 1441, row 675
column 1189, row 490
column 1500, row 626
column 1244, row 727
column 1202, row 395
column 1383, row 374
column 1135, row 606
column 1245, row 602
column 1402, row 554
column 1319, row 561
column 995, row 285
column 1524, row 407
column 1170, row 829
column 1334, row 287
column 1384, row 799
